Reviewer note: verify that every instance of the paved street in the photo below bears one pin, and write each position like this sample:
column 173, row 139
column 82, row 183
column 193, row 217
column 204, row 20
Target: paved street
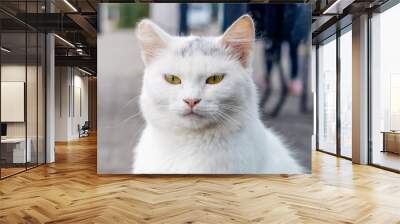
column 295, row 128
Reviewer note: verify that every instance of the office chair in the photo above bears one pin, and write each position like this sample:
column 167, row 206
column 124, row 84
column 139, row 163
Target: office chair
column 84, row 130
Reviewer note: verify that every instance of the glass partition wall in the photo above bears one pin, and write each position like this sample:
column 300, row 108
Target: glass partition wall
column 334, row 126
column 327, row 95
column 334, row 94
column 13, row 86
column 385, row 89
column 22, row 98
column 346, row 95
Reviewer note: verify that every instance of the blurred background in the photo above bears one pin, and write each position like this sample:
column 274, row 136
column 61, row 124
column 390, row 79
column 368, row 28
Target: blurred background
column 281, row 67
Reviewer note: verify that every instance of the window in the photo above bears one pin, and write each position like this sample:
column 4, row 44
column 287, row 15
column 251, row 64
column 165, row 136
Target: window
column 385, row 89
column 327, row 96
column 346, row 93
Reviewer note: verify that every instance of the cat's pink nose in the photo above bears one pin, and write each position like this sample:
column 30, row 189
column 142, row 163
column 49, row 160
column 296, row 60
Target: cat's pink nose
column 191, row 102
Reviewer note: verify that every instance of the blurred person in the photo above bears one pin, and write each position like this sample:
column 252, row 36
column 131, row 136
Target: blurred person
column 231, row 12
column 277, row 24
column 183, row 19
column 298, row 16
column 269, row 23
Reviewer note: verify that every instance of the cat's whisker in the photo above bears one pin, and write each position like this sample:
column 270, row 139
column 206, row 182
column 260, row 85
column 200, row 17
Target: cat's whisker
column 216, row 142
column 129, row 102
column 218, row 123
column 232, row 105
column 119, row 124
column 234, row 108
column 221, row 123
column 208, row 111
column 233, row 119
column 120, row 111
column 242, row 113
column 229, row 119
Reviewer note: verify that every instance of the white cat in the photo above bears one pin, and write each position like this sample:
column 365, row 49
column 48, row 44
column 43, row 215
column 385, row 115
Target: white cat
column 200, row 106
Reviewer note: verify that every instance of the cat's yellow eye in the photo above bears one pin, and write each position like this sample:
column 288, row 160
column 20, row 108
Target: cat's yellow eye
column 173, row 79
column 214, row 79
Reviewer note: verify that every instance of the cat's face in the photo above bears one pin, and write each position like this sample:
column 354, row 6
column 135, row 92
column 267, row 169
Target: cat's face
column 196, row 82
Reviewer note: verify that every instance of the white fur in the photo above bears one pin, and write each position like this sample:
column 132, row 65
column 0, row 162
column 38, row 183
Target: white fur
column 214, row 143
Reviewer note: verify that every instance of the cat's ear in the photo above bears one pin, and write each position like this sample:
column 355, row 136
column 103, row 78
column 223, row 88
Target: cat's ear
column 152, row 39
column 240, row 38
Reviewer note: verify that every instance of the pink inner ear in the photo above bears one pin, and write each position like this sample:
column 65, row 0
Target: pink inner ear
column 242, row 50
column 239, row 37
column 152, row 40
column 151, row 49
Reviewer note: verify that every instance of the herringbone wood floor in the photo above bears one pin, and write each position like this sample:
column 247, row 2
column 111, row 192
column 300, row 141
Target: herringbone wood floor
column 70, row 191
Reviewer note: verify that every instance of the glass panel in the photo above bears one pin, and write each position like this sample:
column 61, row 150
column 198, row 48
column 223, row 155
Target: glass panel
column 31, row 100
column 23, row 90
column 327, row 96
column 13, row 87
column 31, row 87
column 41, row 98
column 385, row 84
column 346, row 94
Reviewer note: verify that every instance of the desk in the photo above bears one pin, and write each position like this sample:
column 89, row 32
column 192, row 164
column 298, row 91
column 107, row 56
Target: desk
column 391, row 141
column 15, row 148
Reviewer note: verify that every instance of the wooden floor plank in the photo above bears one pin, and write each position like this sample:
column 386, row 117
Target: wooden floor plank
column 70, row 191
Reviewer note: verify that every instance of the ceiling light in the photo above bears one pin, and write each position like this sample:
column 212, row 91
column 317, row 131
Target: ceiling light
column 70, row 5
column 328, row 10
column 65, row 41
column 5, row 50
column 84, row 71
column 337, row 7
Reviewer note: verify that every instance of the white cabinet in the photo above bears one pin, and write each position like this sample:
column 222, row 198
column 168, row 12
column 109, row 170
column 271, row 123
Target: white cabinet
column 18, row 149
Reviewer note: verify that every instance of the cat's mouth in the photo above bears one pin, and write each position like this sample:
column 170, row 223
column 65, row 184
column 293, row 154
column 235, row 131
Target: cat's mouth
column 192, row 114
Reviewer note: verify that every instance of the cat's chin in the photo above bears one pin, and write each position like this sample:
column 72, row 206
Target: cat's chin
column 194, row 121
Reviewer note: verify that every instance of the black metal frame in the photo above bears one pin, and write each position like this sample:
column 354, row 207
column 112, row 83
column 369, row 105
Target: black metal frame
column 338, row 97
column 369, row 98
column 44, row 78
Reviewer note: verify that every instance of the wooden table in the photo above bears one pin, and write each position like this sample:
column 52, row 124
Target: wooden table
column 391, row 141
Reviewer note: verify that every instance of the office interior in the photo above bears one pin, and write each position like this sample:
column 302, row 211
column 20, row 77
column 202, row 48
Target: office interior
column 48, row 76
column 45, row 87
column 355, row 67
column 49, row 87
column 33, row 52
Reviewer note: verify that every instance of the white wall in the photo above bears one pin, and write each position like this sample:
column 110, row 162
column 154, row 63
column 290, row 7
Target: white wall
column 68, row 81
column 12, row 73
column 80, row 83
column 12, row 100
column 62, row 81
column 34, row 125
